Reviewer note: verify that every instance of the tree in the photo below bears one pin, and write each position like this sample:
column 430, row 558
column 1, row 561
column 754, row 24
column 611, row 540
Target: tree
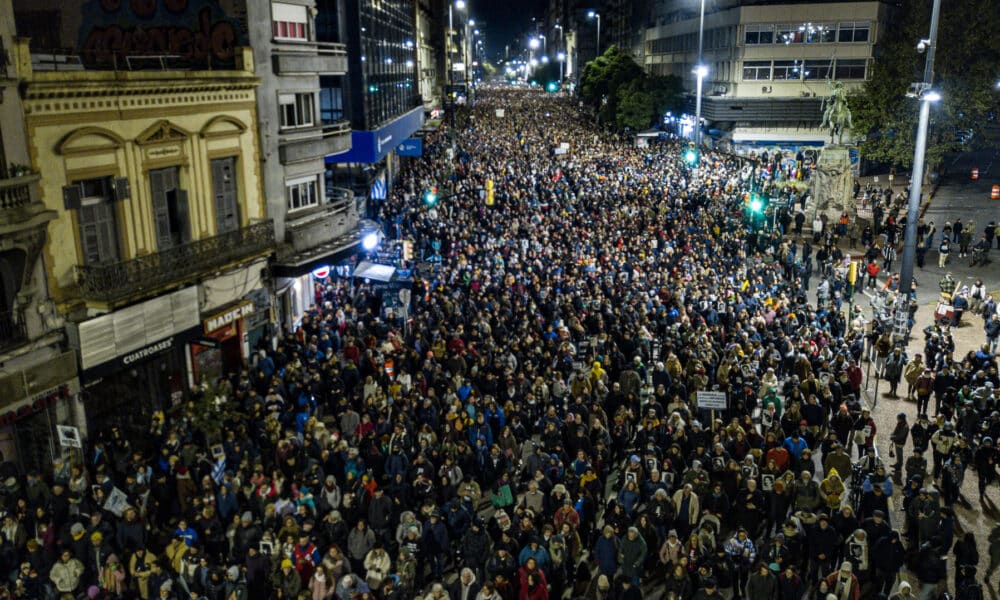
column 623, row 94
column 965, row 72
column 634, row 106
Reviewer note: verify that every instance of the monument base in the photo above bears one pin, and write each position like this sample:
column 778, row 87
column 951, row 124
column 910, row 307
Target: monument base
column 832, row 189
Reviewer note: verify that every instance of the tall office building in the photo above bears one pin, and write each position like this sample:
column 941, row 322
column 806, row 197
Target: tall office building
column 768, row 61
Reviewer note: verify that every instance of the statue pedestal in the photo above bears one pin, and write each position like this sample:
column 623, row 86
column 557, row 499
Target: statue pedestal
column 832, row 186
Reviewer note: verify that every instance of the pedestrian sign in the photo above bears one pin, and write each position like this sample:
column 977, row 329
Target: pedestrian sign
column 712, row 400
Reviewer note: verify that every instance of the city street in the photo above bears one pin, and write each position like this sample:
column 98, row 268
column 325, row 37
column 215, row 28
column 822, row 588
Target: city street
column 957, row 197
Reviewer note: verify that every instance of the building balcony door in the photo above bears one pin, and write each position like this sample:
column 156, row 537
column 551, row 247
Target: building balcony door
column 227, row 205
column 170, row 208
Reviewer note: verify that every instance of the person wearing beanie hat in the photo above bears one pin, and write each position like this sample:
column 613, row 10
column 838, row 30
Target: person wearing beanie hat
column 287, row 581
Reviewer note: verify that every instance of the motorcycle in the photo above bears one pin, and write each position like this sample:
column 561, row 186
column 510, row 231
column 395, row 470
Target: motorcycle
column 980, row 256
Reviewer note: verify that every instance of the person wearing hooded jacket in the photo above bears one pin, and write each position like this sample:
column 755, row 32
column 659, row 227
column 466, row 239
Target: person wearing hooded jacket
column 888, row 557
column 832, row 488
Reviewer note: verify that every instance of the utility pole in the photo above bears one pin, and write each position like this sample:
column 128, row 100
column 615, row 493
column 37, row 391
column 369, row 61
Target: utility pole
column 922, row 91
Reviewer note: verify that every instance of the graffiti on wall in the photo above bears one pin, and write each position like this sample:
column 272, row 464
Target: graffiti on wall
column 199, row 32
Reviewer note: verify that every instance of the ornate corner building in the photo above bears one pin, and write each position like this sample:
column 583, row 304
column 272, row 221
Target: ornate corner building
column 38, row 379
column 158, row 237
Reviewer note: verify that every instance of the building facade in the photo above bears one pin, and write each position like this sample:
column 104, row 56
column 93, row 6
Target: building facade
column 381, row 96
column 158, row 250
column 38, row 385
column 301, row 63
column 769, row 62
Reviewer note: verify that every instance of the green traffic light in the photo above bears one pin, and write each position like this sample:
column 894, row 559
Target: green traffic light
column 756, row 204
column 430, row 198
column 690, row 156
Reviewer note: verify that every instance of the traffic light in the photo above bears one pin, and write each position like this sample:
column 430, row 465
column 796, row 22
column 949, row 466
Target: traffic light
column 691, row 157
column 407, row 250
column 431, row 196
column 552, row 87
column 756, row 204
column 489, row 192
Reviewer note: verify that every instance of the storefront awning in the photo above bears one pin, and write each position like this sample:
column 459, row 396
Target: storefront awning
column 309, row 260
column 374, row 271
column 371, row 146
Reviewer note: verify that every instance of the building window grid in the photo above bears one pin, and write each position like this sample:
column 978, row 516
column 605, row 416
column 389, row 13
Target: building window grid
column 756, row 70
column 851, row 69
column 302, row 193
column 854, row 32
column 297, row 110
column 289, row 30
column 389, row 77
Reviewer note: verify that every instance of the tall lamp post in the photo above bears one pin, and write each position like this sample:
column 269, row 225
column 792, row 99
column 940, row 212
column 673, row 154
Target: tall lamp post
column 595, row 15
column 925, row 95
column 701, row 71
column 460, row 5
column 562, row 63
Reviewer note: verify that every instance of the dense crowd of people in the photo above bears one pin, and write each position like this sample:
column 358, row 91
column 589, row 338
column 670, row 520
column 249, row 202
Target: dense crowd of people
column 531, row 428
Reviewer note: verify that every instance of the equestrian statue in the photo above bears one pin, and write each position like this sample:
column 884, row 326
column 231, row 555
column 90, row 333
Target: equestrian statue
column 836, row 114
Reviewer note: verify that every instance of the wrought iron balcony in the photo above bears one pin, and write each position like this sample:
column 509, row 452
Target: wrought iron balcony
column 12, row 330
column 122, row 280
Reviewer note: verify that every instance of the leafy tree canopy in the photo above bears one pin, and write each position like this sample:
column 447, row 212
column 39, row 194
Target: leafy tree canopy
column 624, row 94
column 968, row 52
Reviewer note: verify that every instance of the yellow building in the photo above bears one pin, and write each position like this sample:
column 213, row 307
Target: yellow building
column 157, row 256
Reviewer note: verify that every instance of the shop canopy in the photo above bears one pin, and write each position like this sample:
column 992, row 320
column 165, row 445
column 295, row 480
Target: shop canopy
column 374, row 271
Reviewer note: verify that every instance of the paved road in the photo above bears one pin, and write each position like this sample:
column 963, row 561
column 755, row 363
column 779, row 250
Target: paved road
column 957, row 197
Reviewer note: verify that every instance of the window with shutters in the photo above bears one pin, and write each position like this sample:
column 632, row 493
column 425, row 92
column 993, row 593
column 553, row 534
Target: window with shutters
column 170, row 208
column 301, row 193
column 289, row 22
column 227, row 206
column 296, row 110
column 97, row 221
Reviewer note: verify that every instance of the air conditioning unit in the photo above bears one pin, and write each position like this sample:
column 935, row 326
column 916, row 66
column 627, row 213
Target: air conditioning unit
column 765, row 89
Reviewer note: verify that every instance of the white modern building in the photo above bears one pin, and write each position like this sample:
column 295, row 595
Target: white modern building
column 769, row 63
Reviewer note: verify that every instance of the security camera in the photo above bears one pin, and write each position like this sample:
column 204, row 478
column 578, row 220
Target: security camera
column 922, row 46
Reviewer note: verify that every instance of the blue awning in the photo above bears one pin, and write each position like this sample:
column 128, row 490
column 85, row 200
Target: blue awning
column 371, row 146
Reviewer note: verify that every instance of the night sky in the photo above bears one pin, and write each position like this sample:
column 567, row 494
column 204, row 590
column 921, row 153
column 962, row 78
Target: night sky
column 505, row 19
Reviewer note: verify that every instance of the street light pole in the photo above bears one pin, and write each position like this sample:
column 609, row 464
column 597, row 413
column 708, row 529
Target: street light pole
column 925, row 96
column 701, row 71
column 596, row 15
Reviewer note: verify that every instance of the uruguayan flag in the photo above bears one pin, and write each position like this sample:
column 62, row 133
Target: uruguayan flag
column 219, row 470
column 378, row 189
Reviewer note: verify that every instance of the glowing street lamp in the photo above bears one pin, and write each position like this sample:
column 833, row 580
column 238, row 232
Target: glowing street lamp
column 594, row 15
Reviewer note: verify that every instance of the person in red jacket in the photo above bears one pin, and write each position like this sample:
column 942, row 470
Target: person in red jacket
column 531, row 578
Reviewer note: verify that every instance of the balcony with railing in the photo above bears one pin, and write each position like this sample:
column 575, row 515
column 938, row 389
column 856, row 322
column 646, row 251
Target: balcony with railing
column 309, row 58
column 315, row 143
column 128, row 279
column 13, row 331
column 20, row 203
